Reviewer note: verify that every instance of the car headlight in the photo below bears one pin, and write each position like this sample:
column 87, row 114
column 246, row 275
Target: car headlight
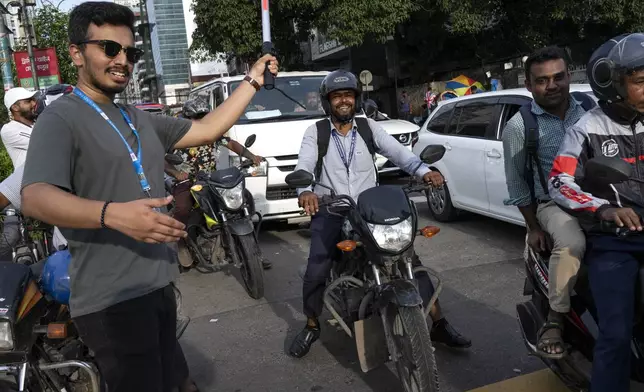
column 256, row 171
column 6, row 338
column 233, row 197
column 253, row 171
column 392, row 237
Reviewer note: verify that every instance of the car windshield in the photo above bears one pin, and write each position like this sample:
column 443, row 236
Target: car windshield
column 293, row 98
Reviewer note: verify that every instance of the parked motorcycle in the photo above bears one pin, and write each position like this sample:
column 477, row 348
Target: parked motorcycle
column 581, row 328
column 220, row 228
column 40, row 350
column 371, row 290
column 35, row 241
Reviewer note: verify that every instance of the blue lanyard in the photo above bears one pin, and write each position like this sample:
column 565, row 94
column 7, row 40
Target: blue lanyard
column 137, row 161
column 338, row 144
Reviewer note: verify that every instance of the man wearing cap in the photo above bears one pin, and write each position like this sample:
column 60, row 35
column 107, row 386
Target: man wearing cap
column 21, row 104
column 15, row 135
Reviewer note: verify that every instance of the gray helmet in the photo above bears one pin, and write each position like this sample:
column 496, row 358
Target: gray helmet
column 195, row 108
column 339, row 80
column 611, row 62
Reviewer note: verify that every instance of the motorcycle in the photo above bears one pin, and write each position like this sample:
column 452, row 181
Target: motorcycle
column 220, row 228
column 580, row 326
column 35, row 241
column 40, row 350
column 371, row 290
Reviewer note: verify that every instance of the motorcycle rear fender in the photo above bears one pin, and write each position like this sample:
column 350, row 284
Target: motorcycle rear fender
column 399, row 292
column 241, row 227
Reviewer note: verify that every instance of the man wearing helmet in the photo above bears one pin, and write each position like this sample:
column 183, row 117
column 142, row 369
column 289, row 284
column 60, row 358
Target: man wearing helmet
column 614, row 129
column 348, row 168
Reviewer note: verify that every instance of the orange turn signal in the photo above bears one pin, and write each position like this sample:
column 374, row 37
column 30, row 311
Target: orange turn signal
column 429, row 231
column 57, row 330
column 347, row 245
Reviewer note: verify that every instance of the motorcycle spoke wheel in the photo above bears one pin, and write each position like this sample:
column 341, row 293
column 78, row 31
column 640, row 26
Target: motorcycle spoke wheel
column 251, row 270
column 416, row 365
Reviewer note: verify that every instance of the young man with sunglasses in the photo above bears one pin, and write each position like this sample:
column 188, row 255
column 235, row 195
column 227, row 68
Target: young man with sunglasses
column 95, row 169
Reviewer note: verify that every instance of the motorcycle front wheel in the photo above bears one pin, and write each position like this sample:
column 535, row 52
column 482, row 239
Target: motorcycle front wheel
column 416, row 365
column 251, row 270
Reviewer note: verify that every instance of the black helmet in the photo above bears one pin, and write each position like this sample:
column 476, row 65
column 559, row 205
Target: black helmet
column 612, row 62
column 339, row 80
column 195, row 108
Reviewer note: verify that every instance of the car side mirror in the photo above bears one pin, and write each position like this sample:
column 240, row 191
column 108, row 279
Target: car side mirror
column 299, row 179
column 432, row 153
column 607, row 170
column 173, row 159
column 250, row 140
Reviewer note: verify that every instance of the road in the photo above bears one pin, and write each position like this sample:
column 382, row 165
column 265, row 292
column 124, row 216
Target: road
column 236, row 344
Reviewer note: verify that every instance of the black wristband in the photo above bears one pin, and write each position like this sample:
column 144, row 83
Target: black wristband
column 107, row 203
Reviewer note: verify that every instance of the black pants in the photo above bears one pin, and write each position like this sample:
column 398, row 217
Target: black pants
column 135, row 342
column 613, row 265
column 326, row 231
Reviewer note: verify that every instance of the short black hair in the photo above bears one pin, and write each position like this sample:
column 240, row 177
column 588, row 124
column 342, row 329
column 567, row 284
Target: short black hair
column 98, row 13
column 542, row 55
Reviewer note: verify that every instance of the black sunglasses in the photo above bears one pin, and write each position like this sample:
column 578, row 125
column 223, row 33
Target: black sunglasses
column 112, row 49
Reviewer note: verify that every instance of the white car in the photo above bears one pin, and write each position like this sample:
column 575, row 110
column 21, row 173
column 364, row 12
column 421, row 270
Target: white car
column 279, row 123
column 470, row 128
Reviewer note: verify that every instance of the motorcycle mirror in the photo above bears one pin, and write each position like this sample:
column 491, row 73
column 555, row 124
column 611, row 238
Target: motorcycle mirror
column 607, row 170
column 250, row 140
column 299, row 179
column 173, row 159
column 370, row 108
column 432, row 153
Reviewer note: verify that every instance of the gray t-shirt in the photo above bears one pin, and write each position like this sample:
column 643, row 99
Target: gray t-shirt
column 74, row 148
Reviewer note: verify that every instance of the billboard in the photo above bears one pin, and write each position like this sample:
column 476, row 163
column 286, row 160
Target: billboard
column 46, row 68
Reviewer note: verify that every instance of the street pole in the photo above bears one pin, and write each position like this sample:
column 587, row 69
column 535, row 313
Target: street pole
column 30, row 50
column 5, row 52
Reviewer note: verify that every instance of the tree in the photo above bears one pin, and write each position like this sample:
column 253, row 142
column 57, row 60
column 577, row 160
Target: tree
column 234, row 26
column 426, row 31
column 50, row 24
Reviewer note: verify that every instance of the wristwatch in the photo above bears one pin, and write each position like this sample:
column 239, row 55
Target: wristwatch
column 252, row 82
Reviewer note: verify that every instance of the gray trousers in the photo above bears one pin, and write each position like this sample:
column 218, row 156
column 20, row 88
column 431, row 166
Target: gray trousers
column 10, row 237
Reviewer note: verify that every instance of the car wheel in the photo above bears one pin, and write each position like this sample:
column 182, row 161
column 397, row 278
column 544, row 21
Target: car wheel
column 440, row 204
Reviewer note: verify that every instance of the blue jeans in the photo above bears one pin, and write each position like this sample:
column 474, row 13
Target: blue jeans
column 612, row 270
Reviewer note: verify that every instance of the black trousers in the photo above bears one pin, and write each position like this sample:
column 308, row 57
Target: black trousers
column 135, row 342
column 326, row 231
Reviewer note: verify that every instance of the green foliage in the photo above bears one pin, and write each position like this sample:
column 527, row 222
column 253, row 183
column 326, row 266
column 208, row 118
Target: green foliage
column 426, row 31
column 50, row 24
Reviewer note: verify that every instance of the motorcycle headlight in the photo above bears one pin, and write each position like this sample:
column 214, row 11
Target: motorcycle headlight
column 392, row 237
column 233, row 197
column 6, row 338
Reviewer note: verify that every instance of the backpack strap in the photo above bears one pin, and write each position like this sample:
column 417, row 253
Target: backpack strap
column 364, row 130
column 587, row 102
column 531, row 147
column 324, row 136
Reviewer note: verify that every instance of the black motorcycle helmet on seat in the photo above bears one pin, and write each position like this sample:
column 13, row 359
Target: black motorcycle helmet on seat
column 611, row 63
column 336, row 81
column 195, row 108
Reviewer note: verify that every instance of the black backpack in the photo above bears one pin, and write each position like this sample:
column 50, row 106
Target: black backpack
column 532, row 140
column 324, row 136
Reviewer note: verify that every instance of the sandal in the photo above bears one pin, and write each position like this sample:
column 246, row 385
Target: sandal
column 555, row 342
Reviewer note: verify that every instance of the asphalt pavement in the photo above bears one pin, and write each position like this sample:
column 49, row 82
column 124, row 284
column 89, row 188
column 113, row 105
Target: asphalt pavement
column 237, row 344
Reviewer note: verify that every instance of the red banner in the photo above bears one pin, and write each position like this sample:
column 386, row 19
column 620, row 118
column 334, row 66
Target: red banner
column 46, row 65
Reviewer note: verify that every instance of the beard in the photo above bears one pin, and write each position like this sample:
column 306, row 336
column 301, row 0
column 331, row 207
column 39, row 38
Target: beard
column 344, row 118
column 105, row 86
column 28, row 114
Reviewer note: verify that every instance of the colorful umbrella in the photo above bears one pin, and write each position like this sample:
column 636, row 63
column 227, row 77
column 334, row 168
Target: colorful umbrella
column 462, row 85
